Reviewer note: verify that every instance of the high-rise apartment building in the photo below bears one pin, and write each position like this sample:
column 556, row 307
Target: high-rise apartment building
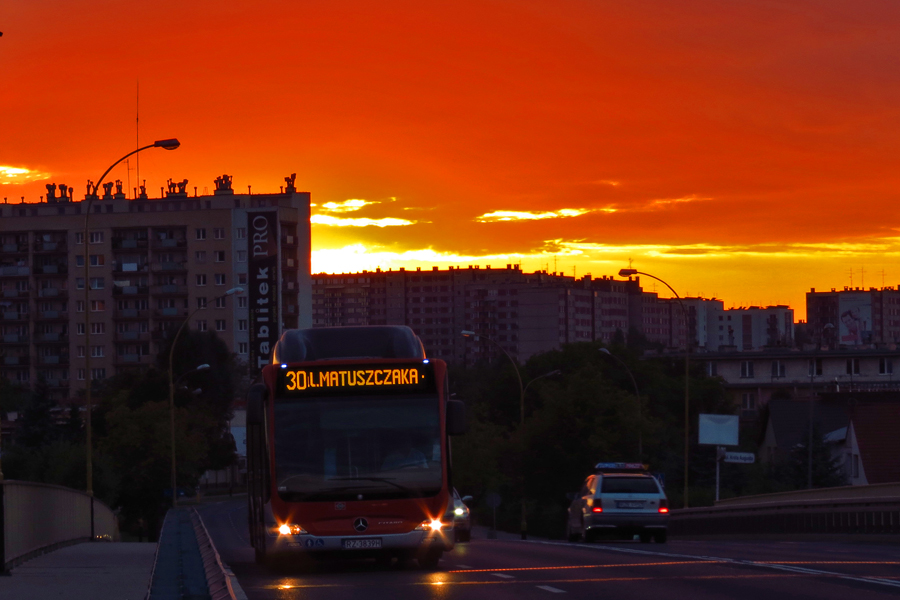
column 854, row 317
column 152, row 263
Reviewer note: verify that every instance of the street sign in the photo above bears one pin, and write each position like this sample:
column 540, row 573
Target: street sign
column 718, row 430
column 493, row 500
column 744, row 458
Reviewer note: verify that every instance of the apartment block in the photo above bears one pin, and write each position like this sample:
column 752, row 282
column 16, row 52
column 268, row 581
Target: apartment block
column 854, row 317
column 151, row 263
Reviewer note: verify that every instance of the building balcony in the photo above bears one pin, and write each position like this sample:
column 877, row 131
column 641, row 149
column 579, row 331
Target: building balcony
column 131, row 313
column 14, row 294
column 15, row 271
column 13, row 338
column 15, row 361
column 14, row 316
column 51, row 247
column 129, row 267
column 169, row 290
column 51, row 270
column 169, row 267
column 52, row 337
column 132, row 336
column 129, row 244
column 169, row 243
column 53, row 315
column 14, row 248
column 170, row 313
column 54, row 359
column 133, row 359
column 131, row 290
column 53, row 293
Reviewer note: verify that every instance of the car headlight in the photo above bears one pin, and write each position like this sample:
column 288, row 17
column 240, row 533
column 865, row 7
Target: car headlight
column 459, row 512
column 290, row 529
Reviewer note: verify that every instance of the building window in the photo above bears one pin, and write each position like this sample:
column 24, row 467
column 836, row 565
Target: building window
column 201, row 325
column 79, row 306
column 97, row 351
column 712, row 369
column 79, row 351
column 220, row 302
column 201, row 279
column 778, row 368
column 96, row 237
column 885, row 366
column 242, row 301
column 242, row 324
column 79, row 260
column 98, row 260
column 98, row 305
column 97, row 374
column 79, row 283
column 242, row 347
column 241, row 233
column 98, row 328
column 220, row 256
column 80, row 375
column 201, row 234
column 748, row 402
column 815, row 366
column 852, row 366
column 200, row 255
column 219, row 233
column 79, row 328
column 201, row 302
column 79, row 239
column 746, row 369
column 242, row 256
column 220, row 324
column 97, row 283
column 242, row 279
column 220, row 279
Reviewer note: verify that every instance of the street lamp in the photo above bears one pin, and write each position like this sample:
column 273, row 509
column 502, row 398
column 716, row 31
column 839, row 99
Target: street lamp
column 169, row 144
column 231, row 292
column 638, row 396
column 687, row 346
column 466, row 333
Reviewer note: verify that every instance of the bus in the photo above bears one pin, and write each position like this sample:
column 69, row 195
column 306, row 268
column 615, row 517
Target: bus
column 348, row 447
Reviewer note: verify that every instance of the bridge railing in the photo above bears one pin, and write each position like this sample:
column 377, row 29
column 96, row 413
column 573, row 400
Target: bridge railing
column 871, row 509
column 39, row 517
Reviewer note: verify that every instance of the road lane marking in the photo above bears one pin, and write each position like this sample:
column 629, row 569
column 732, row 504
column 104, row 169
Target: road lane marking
column 503, row 575
column 550, row 588
column 733, row 561
column 464, row 566
column 603, row 566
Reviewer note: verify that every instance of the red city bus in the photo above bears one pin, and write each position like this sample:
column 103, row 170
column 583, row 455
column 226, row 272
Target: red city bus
column 348, row 447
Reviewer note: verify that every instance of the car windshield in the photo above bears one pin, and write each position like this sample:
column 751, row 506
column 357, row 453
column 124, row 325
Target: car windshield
column 344, row 447
column 629, row 485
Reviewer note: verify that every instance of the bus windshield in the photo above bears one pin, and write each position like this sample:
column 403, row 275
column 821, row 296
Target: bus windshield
column 341, row 448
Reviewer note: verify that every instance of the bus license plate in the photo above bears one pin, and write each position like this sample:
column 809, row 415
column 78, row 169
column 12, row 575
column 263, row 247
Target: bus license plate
column 621, row 504
column 364, row 544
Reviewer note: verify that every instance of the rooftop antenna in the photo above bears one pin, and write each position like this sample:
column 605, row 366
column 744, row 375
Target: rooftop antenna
column 862, row 277
column 137, row 128
column 882, row 277
column 851, row 277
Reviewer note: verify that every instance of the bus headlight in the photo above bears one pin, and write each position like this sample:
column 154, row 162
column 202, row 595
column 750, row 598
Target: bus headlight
column 430, row 525
column 290, row 529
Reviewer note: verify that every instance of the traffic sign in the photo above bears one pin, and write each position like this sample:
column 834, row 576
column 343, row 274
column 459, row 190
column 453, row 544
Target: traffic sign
column 744, row 458
column 493, row 500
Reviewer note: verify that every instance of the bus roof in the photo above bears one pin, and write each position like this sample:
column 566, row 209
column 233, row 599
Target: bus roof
column 329, row 343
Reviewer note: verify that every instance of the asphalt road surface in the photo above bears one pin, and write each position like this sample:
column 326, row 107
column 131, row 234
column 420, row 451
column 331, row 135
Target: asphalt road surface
column 516, row 569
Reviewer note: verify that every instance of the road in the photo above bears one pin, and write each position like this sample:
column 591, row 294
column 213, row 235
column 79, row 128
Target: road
column 540, row 569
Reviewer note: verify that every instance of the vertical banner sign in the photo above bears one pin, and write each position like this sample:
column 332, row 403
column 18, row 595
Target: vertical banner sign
column 263, row 281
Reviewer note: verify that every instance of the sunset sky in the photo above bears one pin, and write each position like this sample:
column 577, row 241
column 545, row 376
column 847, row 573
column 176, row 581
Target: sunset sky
column 744, row 150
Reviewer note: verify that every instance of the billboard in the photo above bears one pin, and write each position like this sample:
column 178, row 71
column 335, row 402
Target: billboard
column 263, row 281
column 719, row 430
column 854, row 319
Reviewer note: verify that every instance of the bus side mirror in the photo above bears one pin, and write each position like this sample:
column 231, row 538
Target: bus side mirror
column 256, row 397
column 456, row 417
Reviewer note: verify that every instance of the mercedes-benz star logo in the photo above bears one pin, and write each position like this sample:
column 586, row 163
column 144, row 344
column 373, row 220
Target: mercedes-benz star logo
column 360, row 524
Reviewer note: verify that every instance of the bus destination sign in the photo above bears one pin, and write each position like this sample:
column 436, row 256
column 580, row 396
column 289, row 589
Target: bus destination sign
column 314, row 381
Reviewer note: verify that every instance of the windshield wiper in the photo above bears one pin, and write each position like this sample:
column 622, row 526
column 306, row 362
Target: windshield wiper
column 387, row 480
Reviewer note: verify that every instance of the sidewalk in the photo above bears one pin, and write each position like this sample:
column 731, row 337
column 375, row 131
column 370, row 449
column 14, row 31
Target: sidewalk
column 87, row 571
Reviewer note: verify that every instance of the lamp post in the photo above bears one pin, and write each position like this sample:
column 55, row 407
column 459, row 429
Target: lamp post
column 638, row 396
column 522, row 389
column 169, row 144
column 687, row 346
column 232, row 291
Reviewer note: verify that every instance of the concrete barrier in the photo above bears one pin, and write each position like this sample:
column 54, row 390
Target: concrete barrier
column 39, row 517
